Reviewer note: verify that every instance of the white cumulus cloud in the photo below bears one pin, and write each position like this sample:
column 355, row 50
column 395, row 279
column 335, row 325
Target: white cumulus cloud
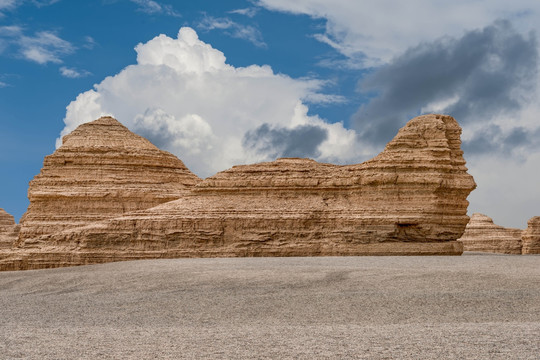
column 184, row 97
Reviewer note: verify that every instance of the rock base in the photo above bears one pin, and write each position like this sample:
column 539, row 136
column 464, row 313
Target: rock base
column 12, row 261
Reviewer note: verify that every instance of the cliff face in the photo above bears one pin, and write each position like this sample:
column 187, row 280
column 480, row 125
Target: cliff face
column 414, row 191
column 531, row 236
column 481, row 234
column 102, row 170
column 409, row 200
column 9, row 230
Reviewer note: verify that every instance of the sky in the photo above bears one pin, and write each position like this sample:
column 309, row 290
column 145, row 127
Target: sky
column 221, row 83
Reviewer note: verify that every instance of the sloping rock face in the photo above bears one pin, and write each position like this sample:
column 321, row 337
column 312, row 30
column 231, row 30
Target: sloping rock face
column 482, row 235
column 6, row 219
column 531, row 236
column 102, row 170
column 9, row 230
column 409, row 200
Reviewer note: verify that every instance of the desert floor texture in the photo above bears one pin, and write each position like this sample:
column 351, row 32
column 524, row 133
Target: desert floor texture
column 468, row 307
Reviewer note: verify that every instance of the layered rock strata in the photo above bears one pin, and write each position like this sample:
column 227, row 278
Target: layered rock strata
column 9, row 230
column 409, row 200
column 482, row 235
column 102, row 170
column 531, row 236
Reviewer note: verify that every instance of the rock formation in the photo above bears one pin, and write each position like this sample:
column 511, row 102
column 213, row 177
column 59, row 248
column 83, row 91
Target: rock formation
column 9, row 230
column 482, row 235
column 409, row 200
column 6, row 219
column 531, row 236
column 102, row 170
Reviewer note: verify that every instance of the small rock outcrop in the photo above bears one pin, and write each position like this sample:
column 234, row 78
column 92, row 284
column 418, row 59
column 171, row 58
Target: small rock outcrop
column 531, row 236
column 102, row 170
column 9, row 230
column 408, row 200
column 482, row 235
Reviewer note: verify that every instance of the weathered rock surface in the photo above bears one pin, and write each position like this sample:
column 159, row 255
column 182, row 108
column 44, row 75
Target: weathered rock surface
column 531, row 236
column 6, row 219
column 409, row 200
column 482, row 235
column 9, row 230
column 102, row 170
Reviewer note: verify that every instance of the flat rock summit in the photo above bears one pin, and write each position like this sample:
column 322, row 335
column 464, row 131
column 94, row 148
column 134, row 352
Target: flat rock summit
column 109, row 195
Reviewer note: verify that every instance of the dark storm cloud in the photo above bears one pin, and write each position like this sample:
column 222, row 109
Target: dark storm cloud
column 493, row 139
column 489, row 71
column 301, row 141
column 159, row 135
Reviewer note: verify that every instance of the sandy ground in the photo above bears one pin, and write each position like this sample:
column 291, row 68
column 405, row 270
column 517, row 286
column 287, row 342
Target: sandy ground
column 468, row 307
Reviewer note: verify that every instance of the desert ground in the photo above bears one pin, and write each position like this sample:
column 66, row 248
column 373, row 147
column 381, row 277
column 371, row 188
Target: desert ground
column 465, row 307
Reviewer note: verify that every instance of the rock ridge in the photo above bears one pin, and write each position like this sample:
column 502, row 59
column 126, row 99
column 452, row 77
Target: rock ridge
column 408, row 200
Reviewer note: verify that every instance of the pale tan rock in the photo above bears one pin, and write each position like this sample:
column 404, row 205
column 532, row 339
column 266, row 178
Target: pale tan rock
column 6, row 219
column 409, row 200
column 102, row 170
column 9, row 230
column 482, row 235
column 531, row 236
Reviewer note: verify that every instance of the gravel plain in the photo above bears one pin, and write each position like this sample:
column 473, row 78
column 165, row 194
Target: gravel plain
column 466, row 307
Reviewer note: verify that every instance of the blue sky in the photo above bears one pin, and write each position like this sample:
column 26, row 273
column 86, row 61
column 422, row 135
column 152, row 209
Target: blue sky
column 247, row 81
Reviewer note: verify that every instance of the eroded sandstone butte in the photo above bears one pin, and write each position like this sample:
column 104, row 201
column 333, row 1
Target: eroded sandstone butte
column 482, row 235
column 9, row 230
column 408, row 200
column 102, row 170
column 531, row 236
